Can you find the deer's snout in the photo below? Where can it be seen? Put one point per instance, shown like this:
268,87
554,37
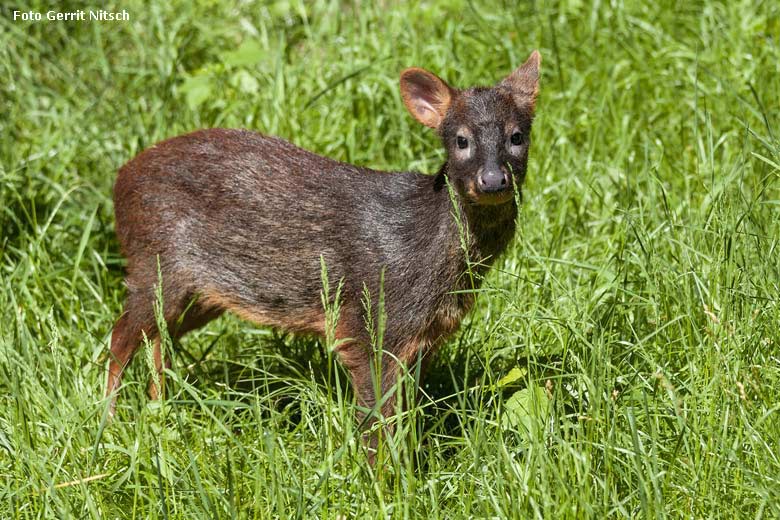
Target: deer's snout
493,180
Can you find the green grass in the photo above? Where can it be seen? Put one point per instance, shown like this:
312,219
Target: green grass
639,305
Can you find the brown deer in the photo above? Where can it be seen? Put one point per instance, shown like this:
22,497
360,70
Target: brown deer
240,221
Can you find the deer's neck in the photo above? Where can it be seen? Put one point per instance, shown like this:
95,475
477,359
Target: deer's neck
487,229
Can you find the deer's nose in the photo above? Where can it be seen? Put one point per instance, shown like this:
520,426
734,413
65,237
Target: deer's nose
493,180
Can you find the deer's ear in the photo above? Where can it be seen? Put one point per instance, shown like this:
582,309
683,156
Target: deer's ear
524,81
426,96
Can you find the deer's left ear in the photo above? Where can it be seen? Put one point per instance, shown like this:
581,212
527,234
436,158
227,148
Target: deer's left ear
524,81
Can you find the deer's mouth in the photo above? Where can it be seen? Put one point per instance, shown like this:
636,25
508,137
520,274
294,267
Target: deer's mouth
488,198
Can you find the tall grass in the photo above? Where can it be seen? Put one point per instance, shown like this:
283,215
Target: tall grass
622,359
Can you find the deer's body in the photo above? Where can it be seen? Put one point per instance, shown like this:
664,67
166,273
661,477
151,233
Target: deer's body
240,222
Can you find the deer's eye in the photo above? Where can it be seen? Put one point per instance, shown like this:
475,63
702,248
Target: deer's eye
516,138
462,142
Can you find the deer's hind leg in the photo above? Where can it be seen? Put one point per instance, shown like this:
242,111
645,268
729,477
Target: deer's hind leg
136,320
194,317
182,314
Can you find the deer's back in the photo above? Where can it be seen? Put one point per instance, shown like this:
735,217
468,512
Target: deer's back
252,215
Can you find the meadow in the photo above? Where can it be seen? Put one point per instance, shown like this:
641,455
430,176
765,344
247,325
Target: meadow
622,359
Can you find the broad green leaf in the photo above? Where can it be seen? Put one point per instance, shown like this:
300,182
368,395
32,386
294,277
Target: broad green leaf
526,410
197,89
244,82
513,375
248,53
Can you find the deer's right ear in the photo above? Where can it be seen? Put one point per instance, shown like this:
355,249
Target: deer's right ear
426,96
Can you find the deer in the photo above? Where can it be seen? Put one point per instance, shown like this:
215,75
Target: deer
237,221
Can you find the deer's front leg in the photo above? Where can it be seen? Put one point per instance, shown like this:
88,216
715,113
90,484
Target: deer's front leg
378,378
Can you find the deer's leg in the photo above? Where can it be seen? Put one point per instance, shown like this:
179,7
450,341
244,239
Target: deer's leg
181,316
137,319
375,382
153,390
193,318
